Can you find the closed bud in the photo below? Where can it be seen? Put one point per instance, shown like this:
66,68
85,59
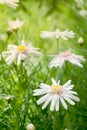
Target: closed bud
30,126
8,99
80,41
9,31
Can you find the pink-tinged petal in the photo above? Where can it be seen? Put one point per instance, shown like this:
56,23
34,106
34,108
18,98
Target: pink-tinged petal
57,62
75,62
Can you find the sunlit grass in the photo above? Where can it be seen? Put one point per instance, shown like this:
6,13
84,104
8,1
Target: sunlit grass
17,104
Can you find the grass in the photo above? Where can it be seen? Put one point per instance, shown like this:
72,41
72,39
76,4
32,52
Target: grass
18,82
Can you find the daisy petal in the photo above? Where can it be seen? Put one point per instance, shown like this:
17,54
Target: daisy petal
63,103
47,102
43,99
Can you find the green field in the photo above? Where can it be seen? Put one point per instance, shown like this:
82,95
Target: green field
18,105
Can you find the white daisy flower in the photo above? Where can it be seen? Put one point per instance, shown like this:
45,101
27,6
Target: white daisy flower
15,24
20,52
55,94
59,60
11,3
58,34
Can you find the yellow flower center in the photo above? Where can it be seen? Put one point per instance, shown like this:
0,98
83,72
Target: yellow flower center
21,48
56,89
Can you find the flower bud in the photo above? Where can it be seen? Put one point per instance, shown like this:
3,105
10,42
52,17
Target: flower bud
8,99
9,31
80,41
30,126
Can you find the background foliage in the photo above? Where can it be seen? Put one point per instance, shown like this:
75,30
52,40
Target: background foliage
19,81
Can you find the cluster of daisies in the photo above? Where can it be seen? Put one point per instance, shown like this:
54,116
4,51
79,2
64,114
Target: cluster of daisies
55,92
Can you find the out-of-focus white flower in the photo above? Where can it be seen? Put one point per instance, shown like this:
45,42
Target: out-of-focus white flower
80,41
11,3
15,24
83,12
30,126
56,93
79,3
59,60
20,52
65,129
58,34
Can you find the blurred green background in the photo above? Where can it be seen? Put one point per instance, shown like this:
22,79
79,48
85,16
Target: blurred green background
22,109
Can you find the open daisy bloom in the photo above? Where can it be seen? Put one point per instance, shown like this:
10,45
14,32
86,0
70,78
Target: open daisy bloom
58,34
11,3
55,94
20,52
60,59
14,25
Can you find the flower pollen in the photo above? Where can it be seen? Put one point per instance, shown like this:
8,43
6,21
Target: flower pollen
56,89
21,48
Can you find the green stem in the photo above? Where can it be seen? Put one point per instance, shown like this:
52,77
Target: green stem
58,120
65,71
17,35
5,44
57,46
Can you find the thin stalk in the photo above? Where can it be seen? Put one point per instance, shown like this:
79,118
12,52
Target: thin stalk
5,44
58,120
66,71
57,46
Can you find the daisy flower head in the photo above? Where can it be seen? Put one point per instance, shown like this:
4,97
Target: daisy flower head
19,52
14,25
60,59
55,94
11,3
58,34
